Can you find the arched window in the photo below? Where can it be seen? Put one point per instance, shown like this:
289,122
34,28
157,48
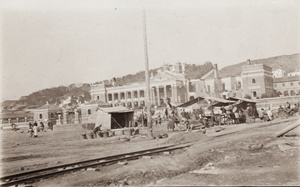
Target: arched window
253,81
254,94
98,97
89,111
208,89
41,116
292,92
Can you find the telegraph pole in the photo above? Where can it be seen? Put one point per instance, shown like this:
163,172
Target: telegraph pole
148,102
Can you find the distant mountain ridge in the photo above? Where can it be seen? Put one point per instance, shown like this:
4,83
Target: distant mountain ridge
288,63
79,93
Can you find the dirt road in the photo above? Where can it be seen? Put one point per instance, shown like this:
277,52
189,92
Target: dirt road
249,156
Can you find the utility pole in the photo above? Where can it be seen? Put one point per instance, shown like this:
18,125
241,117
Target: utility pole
148,102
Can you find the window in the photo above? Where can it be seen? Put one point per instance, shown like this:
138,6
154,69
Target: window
254,94
253,80
292,92
275,85
291,84
89,112
98,97
208,89
41,116
283,84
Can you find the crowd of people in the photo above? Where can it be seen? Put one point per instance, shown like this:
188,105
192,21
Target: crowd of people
211,116
34,128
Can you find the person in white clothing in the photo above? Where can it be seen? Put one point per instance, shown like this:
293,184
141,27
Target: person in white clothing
269,113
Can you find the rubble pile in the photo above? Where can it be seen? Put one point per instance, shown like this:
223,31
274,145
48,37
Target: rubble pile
184,137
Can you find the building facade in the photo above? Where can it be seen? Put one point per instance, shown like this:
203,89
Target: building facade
168,85
288,86
257,79
278,73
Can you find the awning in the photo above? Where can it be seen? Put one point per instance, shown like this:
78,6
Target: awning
241,99
117,109
191,102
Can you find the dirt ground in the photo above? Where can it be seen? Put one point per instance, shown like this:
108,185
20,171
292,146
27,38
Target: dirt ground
250,155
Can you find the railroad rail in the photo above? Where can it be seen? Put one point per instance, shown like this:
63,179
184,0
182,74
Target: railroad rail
35,175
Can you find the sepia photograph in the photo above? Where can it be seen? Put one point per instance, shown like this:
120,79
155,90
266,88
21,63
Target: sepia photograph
100,93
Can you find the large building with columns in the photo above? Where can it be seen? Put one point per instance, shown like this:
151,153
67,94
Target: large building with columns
168,85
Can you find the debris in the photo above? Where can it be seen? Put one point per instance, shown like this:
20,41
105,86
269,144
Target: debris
91,169
209,166
285,146
122,163
123,182
256,147
208,169
148,157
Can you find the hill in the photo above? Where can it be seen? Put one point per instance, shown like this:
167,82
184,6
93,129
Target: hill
79,93
286,62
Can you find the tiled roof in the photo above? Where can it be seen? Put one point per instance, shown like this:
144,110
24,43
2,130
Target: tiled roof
98,102
16,114
286,79
49,107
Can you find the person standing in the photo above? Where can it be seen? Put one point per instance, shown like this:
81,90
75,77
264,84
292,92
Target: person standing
30,130
42,126
170,125
35,129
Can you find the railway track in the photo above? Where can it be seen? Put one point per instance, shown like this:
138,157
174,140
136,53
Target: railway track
35,175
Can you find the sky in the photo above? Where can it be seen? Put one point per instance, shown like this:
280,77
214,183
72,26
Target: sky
50,43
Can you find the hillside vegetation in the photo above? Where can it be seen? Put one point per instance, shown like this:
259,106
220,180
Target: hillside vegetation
81,94
288,63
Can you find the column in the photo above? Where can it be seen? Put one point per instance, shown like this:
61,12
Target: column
174,93
158,97
187,90
58,120
1,121
17,120
9,120
25,119
165,93
138,96
76,116
153,95
119,96
65,113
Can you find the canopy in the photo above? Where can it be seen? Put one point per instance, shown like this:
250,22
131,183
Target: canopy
241,99
218,102
191,102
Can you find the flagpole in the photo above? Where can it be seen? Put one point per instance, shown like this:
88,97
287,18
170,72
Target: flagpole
148,102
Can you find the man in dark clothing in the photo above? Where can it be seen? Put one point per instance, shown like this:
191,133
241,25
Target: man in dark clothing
96,130
170,125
